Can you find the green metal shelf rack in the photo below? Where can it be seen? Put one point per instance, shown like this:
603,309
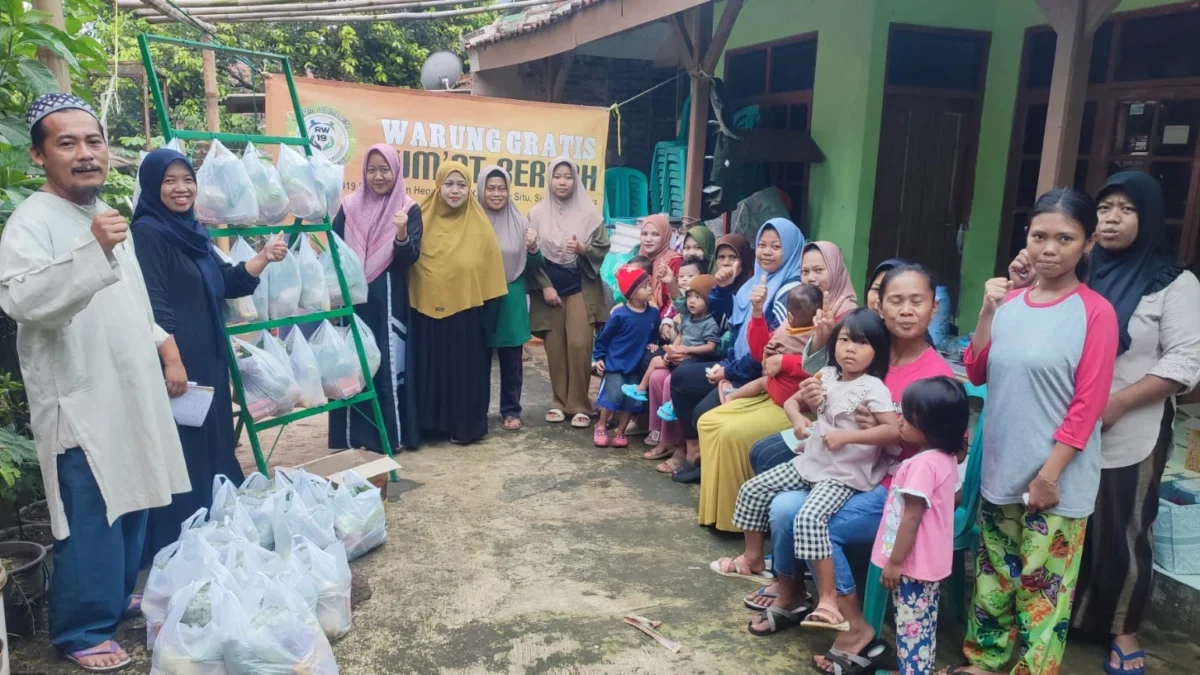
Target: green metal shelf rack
293,231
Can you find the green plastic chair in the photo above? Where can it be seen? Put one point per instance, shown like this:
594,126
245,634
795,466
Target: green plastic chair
966,534
626,195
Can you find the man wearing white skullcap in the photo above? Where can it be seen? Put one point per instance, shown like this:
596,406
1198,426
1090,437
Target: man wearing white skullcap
87,341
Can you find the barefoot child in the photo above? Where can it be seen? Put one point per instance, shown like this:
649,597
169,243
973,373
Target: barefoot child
914,545
802,303
618,353
838,460
698,335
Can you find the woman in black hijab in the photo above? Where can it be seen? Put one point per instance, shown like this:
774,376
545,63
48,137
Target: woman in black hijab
1158,315
186,283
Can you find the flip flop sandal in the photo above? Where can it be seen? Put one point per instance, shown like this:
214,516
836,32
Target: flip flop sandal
600,437
779,619
750,600
756,577
511,424
668,467
1124,658
652,438
823,618
134,609
581,421
653,456
555,416
106,648
845,663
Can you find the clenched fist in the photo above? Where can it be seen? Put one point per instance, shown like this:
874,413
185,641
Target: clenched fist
531,242
109,229
400,220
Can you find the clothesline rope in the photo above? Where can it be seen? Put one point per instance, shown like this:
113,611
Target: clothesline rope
616,107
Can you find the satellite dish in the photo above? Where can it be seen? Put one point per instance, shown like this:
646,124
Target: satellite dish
441,71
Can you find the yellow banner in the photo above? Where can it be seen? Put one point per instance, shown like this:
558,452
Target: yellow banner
429,128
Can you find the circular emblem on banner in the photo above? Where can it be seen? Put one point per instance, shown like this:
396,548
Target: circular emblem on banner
330,131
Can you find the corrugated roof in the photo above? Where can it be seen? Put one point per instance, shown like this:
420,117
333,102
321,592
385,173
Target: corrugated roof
526,21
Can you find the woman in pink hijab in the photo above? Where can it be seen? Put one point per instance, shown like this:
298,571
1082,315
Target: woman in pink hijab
382,224
822,266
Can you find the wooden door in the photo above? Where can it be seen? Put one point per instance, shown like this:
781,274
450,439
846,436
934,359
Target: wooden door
924,181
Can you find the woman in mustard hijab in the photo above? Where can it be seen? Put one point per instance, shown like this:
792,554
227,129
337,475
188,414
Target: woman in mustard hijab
453,289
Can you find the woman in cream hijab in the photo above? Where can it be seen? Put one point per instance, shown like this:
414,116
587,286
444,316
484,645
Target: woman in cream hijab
567,298
518,248
452,289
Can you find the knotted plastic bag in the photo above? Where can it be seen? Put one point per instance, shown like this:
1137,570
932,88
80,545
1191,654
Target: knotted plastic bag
251,496
276,634
341,376
224,194
292,515
267,383
175,566
352,268
192,639
314,292
268,186
237,310
305,370
329,178
306,200
358,515
330,574
282,279
370,346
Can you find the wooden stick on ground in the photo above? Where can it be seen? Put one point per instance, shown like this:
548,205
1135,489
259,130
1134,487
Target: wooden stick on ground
649,628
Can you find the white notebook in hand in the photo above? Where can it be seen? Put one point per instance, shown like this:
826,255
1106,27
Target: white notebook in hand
191,409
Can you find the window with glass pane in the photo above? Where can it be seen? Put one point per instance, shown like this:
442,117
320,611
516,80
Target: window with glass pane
1044,43
1135,125
1035,129
746,74
1178,124
1159,47
1176,180
935,60
793,66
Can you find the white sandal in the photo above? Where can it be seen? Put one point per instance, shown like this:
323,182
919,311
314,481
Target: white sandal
581,421
555,416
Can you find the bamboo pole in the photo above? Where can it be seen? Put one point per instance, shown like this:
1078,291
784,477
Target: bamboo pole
56,64
250,6
169,13
309,17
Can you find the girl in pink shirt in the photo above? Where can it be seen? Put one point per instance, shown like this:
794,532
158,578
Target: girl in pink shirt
914,544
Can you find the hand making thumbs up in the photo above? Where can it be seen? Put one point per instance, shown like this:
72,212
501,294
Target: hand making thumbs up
758,296
400,220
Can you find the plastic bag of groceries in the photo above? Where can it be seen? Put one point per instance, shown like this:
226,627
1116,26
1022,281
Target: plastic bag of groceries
330,574
237,310
227,498
223,191
274,346
305,370
292,515
306,200
341,376
276,634
192,639
314,292
283,287
241,252
175,566
329,177
358,515
268,384
268,186
175,145
370,346
352,268
244,559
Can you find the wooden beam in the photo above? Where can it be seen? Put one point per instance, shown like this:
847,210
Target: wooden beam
680,30
700,28
170,14
1074,21
212,109
56,64
721,36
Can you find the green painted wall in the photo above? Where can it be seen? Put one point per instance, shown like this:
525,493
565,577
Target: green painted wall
848,102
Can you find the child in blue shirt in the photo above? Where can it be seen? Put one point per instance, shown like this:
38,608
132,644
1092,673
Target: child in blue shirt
619,353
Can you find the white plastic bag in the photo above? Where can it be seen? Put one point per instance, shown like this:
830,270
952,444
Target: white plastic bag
241,252
268,186
274,346
283,287
352,268
291,516
237,310
314,292
175,566
276,634
341,376
306,201
305,370
329,178
268,383
226,497
223,191
330,574
175,145
370,346
359,519
192,639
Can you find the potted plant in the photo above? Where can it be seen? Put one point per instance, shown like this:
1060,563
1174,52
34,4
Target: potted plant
26,585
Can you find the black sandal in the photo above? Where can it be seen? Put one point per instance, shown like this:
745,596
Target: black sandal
845,663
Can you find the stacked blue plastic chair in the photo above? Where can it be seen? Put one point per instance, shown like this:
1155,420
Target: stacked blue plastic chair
626,198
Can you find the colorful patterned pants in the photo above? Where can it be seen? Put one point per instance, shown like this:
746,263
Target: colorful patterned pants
1025,577
916,624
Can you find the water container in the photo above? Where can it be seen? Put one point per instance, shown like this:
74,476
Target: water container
939,327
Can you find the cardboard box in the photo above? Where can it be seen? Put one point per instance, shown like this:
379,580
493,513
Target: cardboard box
370,465
1191,461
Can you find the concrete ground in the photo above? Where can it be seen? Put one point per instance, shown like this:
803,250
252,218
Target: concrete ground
522,553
